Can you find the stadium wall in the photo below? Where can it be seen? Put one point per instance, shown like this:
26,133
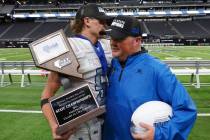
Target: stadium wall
168,42
188,42
14,44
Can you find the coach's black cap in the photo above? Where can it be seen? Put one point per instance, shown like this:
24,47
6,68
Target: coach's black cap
92,11
124,26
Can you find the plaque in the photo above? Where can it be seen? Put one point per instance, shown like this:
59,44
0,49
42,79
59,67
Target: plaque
75,107
53,52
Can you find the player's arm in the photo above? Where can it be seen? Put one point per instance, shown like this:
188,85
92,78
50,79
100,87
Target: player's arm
171,91
52,85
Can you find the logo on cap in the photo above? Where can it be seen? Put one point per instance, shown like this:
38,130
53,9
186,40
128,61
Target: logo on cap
135,30
118,23
101,10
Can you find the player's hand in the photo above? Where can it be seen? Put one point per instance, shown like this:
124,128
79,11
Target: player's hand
64,136
148,135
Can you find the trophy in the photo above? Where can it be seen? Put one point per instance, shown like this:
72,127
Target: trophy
53,52
77,104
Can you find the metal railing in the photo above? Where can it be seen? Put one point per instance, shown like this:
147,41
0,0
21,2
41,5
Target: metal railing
171,63
195,68
188,63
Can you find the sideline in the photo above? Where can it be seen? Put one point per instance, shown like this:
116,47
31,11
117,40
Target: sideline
20,111
39,112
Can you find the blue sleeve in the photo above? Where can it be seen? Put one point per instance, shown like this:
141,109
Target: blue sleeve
171,91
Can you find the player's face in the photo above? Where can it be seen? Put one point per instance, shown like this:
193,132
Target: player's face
96,26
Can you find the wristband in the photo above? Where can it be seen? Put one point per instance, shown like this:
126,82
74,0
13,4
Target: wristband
44,101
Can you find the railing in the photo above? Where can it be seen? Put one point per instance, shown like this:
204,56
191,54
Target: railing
171,63
18,68
188,63
194,68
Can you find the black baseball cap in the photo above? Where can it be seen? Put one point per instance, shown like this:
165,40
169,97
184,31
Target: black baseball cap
124,26
93,11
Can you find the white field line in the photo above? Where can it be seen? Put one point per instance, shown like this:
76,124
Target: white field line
11,53
39,112
167,54
198,52
204,114
17,55
19,111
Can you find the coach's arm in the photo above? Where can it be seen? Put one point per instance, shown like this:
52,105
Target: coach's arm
171,91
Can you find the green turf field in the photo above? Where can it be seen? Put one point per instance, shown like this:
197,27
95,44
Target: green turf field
164,53
15,54
181,52
26,126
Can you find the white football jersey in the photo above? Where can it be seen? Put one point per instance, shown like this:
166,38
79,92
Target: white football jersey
90,65
91,69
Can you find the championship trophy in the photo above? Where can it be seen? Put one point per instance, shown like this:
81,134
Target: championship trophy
53,52
77,104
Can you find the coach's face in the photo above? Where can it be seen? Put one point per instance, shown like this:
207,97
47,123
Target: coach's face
116,51
123,48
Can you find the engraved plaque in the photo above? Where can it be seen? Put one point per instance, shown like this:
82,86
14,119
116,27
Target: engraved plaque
75,107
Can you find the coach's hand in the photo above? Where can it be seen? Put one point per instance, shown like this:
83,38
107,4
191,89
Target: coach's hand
64,136
148,135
